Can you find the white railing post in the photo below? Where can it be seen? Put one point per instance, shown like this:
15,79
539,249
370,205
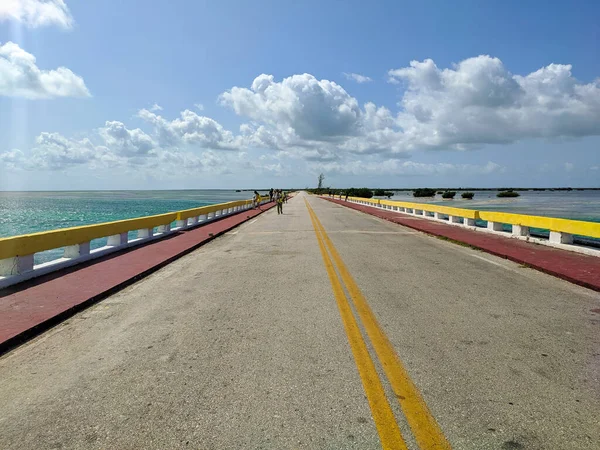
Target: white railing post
77,250
494,226
164,228
453,219
145,233
181,223
117,240
558,237
520,230
437,216
16,265
192,221
210,216
469,222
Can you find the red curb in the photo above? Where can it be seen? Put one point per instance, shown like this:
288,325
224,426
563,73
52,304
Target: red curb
34,306
577,268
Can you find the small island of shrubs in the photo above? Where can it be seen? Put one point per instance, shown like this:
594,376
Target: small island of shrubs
449,194
508,193
425,192
383,193
468,195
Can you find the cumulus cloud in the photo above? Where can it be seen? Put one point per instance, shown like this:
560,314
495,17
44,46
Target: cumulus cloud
191,129
357,77
313,109
199,106
20,77
480,102
37,13
126,142
475,103
156,107
318,123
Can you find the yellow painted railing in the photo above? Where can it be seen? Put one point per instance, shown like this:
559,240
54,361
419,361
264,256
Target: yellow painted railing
554,225
188,213
448,210
579,227
28,244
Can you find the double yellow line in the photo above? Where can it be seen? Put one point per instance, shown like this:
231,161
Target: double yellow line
425,429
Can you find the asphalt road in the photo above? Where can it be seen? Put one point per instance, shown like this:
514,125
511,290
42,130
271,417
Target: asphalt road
241,344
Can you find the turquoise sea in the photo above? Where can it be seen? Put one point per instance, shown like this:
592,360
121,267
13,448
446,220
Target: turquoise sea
29,212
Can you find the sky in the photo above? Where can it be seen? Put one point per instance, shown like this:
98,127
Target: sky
192,94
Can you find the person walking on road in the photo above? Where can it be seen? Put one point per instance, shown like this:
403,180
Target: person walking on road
257,200
279,195
271,195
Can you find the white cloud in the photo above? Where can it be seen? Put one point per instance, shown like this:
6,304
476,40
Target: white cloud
191,129
313,109
156,107
199,106
475,103
20,77
357,77
480,102
37,13
125,142
595,168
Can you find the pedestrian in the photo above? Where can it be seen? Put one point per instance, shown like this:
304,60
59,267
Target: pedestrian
257,200
285,196
346,196
280,202
271,195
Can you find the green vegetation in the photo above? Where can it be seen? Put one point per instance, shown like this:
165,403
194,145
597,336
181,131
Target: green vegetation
360,192
508,193
383,193
449,194
424,192
468,195
440,192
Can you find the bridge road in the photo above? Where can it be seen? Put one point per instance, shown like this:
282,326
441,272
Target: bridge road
241,344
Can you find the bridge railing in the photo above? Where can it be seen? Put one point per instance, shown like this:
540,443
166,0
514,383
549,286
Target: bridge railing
561,232
17,253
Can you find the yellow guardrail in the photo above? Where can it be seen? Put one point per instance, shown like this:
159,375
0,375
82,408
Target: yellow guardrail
579,227
187,213
569,226
29,244
449,210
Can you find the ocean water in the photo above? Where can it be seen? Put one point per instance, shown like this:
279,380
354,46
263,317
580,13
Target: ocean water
30,212
578,205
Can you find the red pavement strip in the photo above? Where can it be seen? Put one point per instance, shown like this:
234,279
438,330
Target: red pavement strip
34,306
577,268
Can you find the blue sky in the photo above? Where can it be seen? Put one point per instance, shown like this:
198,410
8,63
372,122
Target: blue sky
194,94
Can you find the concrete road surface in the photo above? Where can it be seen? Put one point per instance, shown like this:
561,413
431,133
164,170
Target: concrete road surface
256,340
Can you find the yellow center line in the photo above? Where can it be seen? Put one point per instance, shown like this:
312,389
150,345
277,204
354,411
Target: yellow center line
387,427
426,430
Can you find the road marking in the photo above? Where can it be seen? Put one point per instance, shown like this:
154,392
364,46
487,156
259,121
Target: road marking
492,262
426,430
387,427
252,221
